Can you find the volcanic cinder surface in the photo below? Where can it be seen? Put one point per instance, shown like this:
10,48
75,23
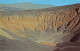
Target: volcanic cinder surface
50,29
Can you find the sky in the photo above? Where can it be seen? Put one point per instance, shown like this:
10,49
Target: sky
51,2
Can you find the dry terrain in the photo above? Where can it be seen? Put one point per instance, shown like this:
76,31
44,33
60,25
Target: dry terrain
48,28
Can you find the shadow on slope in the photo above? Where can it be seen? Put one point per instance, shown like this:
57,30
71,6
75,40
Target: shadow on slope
21,44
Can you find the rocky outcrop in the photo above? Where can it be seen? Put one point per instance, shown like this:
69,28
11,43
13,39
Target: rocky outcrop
68,46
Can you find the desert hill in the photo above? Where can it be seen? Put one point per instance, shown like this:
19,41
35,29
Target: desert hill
50,18
51,25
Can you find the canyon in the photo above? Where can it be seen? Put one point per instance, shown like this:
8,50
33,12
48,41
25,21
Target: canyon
48,26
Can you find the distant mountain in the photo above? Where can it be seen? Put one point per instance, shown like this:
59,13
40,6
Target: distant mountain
23,6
